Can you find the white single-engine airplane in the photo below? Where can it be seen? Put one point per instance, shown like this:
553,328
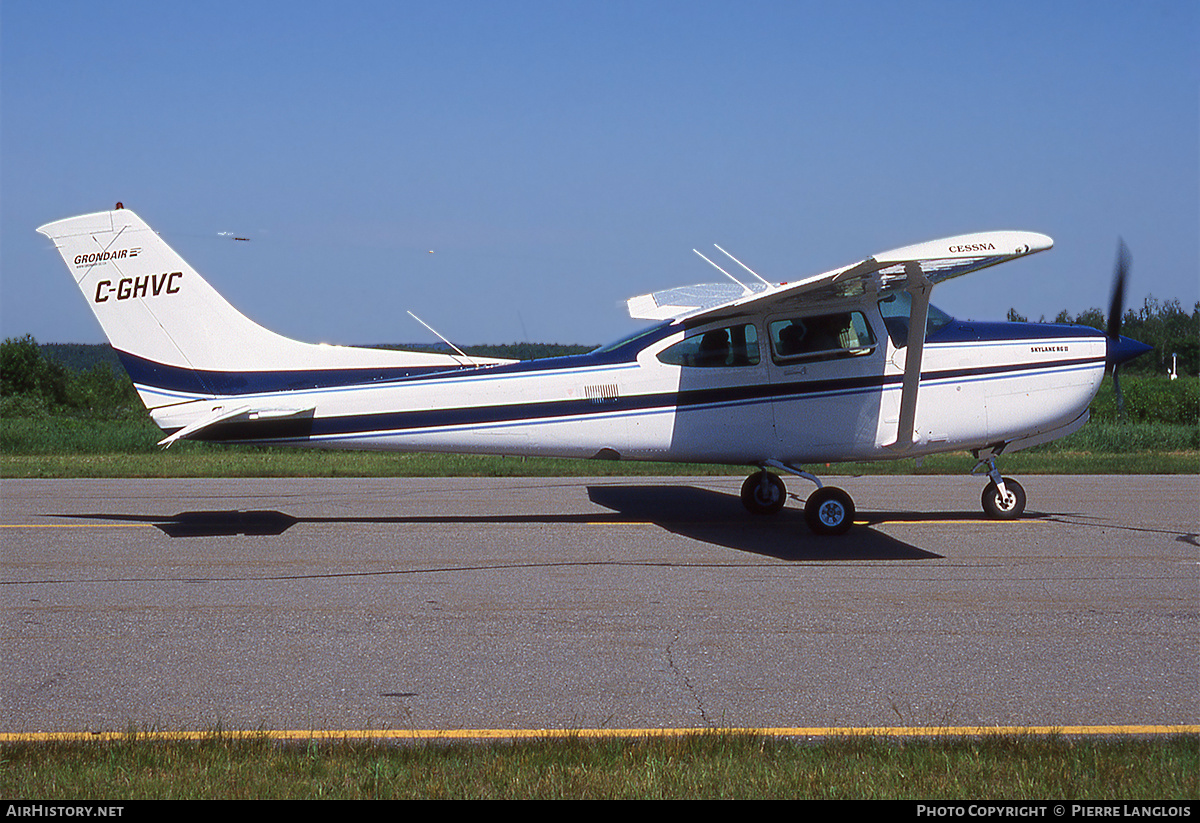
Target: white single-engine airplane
853,364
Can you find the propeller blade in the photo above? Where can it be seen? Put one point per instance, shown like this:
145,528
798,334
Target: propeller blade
1116,375
1116,307
1121,348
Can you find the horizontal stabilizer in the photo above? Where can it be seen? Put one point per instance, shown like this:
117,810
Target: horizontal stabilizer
222,414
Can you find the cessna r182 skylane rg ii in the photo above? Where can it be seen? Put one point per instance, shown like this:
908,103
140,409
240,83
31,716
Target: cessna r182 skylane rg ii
853,364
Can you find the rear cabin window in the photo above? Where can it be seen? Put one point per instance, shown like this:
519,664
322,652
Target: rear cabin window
716,348
821,337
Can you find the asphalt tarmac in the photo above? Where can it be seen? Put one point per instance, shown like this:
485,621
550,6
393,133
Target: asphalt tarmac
567,603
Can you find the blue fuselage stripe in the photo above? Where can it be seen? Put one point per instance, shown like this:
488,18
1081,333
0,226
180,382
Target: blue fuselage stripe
175,379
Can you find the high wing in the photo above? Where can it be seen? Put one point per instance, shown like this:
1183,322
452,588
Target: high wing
915,269
930,263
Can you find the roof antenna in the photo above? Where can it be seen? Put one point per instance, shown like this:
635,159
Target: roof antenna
743,265
444,340
745,289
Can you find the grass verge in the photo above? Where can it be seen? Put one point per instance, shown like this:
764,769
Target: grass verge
717,765
267,463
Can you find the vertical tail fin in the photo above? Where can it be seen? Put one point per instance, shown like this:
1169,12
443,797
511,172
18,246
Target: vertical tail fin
180,340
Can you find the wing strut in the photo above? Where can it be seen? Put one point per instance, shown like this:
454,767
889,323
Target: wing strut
919,287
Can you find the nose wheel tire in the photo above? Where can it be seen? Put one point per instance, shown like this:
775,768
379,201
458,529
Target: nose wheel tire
1010,506
764,493
829,510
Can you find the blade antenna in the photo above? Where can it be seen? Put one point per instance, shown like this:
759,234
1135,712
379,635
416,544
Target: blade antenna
743,265
745,288
443,339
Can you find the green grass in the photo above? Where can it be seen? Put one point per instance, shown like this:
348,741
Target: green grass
718,765
371,464
62,434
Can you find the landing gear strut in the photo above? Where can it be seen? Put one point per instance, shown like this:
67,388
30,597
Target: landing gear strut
1003,498
828,510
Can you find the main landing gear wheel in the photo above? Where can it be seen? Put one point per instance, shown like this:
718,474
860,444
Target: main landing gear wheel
1004,507
829,510
763,493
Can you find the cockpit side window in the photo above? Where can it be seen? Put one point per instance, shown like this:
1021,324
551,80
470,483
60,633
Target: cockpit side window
821,337
727,347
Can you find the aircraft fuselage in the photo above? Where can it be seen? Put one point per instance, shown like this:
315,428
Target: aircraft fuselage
660,397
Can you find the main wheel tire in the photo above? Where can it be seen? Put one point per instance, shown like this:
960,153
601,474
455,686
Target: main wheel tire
1009,507
829,510
764,498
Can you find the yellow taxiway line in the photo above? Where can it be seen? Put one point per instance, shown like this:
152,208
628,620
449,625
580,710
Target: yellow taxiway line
584,734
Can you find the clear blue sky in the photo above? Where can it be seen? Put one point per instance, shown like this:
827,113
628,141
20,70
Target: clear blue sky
558,157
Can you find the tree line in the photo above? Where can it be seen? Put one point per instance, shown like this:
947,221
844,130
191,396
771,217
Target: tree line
1174,334
33,384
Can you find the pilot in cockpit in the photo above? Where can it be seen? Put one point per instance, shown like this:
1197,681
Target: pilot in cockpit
714,348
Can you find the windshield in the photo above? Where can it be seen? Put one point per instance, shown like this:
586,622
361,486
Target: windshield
630,338
895,309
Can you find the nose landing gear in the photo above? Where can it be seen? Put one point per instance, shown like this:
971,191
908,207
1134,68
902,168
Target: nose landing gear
1003,498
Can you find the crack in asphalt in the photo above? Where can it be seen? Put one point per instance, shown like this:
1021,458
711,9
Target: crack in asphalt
688,686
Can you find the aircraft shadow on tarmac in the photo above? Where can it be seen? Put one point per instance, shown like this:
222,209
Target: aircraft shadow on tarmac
698,514
720,519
